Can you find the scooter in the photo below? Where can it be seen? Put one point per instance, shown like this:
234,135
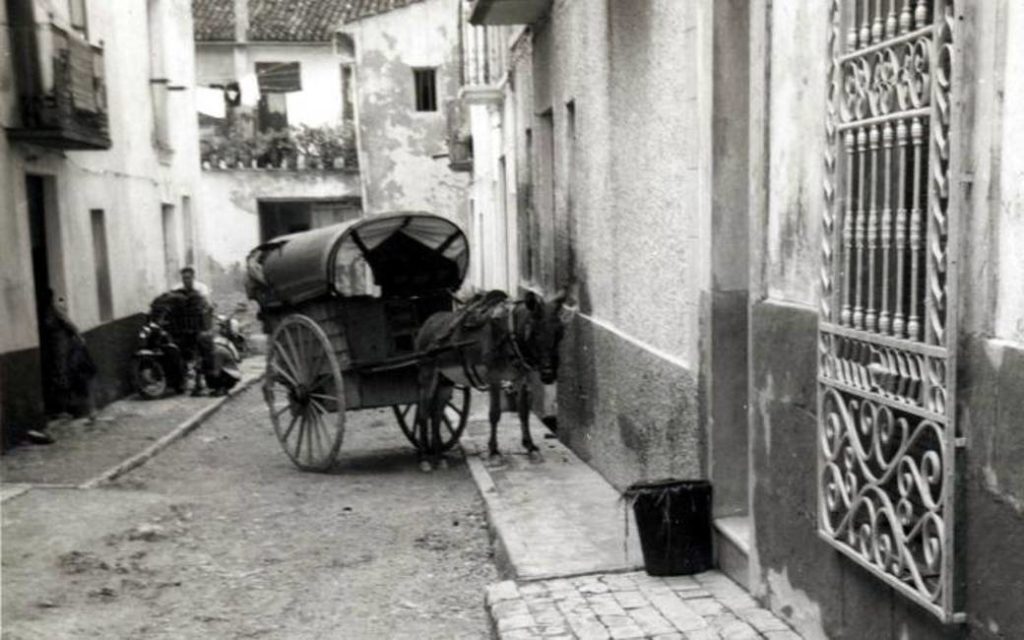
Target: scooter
226,348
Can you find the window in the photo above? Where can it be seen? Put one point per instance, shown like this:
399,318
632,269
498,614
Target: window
546,190
78,18
276,80
279,77
347,90
568,271
101,258
887,435
158,74
172,252
425,81
187,229
273,112
526,247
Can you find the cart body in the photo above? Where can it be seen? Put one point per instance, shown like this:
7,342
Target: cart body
343,305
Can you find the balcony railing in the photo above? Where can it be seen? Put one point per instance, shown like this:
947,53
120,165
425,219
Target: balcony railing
61,89
484,55
460,139
237,145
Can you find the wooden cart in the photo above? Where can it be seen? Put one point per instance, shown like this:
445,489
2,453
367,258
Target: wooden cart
342,306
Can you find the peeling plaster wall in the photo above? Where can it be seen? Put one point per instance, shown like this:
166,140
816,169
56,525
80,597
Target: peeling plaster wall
622,215
129,182
403,153
820,592
229,220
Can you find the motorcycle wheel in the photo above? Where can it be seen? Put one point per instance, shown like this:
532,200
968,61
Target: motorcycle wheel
149,377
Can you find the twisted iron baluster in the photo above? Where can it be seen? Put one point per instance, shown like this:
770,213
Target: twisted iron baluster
884,319
917,140
870,312
860,229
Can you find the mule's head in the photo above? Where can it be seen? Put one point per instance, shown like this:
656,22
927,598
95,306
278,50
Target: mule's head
544,329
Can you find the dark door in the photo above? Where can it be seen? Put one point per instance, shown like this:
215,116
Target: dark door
35,191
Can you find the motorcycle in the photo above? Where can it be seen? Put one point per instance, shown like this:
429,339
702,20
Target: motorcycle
157,363
175,346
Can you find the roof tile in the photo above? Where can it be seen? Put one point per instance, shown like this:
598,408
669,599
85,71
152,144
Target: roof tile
285,20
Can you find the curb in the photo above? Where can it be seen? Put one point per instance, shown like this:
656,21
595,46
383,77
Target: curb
492,505
179,432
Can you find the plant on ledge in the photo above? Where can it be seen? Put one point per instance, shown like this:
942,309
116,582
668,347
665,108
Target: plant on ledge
238,145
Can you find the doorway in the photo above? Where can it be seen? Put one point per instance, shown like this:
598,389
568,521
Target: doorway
39,196
282,217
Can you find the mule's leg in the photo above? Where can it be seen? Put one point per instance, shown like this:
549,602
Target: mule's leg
424,410
495,416
524,417
442,395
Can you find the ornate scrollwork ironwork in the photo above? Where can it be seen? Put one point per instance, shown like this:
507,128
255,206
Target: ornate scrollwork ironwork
886,423
883,488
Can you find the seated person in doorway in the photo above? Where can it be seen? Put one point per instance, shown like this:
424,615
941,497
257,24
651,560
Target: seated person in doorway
68,367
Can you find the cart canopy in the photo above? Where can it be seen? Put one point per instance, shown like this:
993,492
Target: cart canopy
408,253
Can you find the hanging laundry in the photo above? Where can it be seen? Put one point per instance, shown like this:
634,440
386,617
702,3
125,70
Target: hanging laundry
210,101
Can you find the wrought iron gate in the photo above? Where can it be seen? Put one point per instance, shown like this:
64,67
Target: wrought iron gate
887,435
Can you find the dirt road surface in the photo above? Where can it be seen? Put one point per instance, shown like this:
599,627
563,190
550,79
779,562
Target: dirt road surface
221,537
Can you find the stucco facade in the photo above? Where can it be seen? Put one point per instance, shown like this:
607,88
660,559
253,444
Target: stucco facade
145,184
827,595
608,149
403,153
669,159
230,218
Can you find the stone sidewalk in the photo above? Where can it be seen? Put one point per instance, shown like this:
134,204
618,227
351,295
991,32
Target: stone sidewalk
127,432
617,606
570,548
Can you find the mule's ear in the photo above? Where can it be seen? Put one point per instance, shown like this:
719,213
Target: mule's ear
533,301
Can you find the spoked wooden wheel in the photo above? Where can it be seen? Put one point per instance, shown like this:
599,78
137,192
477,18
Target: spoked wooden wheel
453,422
303,388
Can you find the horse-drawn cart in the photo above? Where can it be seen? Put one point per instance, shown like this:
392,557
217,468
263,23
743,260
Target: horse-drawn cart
342,305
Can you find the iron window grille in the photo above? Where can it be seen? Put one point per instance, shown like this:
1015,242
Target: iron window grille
888,441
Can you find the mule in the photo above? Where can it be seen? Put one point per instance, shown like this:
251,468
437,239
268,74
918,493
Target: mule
496,342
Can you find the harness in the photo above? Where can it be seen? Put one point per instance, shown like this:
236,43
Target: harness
472,372
514,339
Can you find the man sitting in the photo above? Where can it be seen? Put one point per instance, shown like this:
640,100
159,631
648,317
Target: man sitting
198,311
189,284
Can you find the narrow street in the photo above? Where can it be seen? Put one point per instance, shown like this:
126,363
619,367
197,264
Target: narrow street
220,536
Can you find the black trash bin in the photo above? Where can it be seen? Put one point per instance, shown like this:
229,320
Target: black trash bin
673,518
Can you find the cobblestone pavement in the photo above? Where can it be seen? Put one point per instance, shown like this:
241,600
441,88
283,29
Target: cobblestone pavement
708,606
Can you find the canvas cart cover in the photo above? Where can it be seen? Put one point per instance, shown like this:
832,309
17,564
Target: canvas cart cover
408,253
